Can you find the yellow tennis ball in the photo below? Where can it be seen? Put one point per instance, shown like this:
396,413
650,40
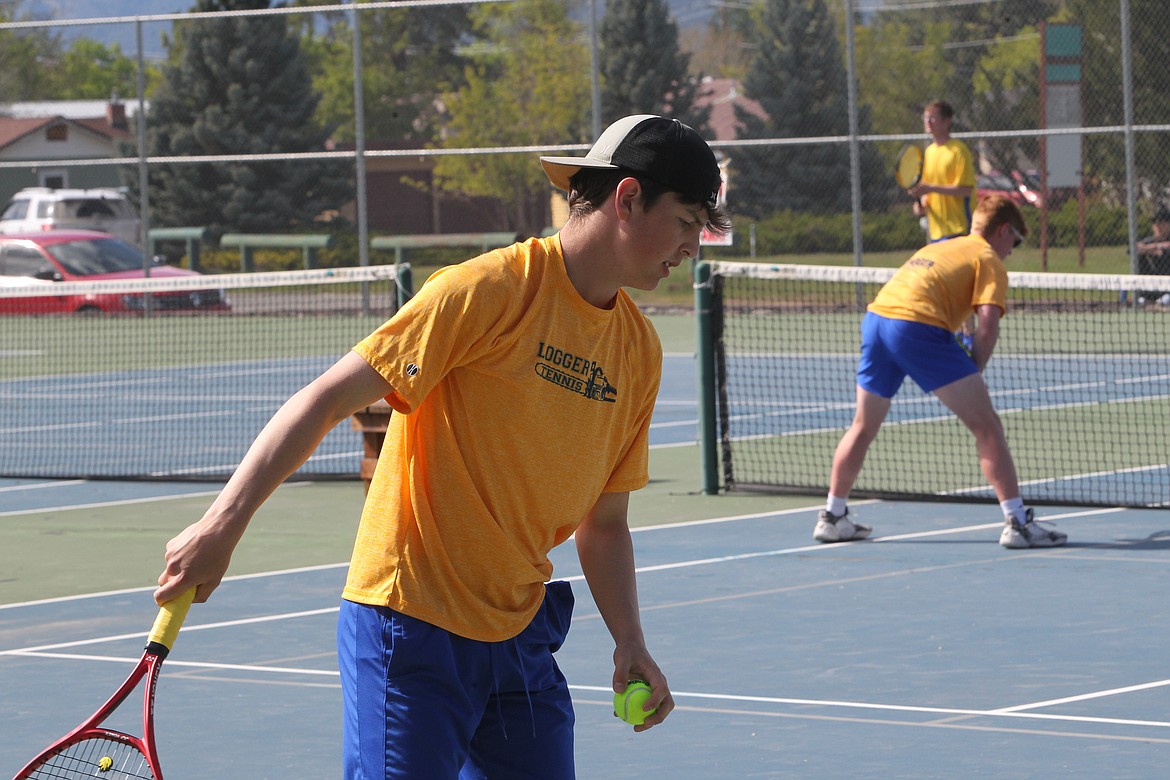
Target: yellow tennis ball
627,705
106,763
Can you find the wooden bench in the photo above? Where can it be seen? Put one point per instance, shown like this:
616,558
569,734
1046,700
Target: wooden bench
371,422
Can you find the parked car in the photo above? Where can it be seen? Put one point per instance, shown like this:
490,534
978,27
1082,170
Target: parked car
39,208
996,183
43,259
1028,182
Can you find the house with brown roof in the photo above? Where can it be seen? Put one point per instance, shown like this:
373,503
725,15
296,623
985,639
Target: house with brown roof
719,98
41,138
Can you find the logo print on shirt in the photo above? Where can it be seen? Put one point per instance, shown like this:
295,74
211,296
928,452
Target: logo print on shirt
412,369
574,373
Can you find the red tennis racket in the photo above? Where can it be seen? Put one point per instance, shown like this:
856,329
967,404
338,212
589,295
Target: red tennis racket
93,751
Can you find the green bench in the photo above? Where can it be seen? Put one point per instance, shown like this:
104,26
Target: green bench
400,245
308,243
193,237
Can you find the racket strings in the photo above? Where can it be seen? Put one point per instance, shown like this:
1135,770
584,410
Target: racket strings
98,757
909,167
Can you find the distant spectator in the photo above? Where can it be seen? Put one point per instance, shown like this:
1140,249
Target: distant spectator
1153,254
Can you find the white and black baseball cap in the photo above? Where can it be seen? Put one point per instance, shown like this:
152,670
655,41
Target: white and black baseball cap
663,150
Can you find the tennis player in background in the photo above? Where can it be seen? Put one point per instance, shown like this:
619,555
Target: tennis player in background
944,194
908,331
523,383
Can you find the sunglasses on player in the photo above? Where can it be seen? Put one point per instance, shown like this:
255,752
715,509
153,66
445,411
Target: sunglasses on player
1019,236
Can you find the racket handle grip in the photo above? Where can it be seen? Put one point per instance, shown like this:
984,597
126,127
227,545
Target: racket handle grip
170,620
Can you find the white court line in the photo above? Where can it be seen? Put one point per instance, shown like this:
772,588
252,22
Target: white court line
1018,712
151,588
118,502
1009,712
190,664
639,570
639,529
316,457
839,545
43,485
1064,478
1085,696
901,707
100,504
186,630
1025,711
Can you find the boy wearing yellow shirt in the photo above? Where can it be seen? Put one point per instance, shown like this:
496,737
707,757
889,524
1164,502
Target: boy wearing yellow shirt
908,331
523,382
944,195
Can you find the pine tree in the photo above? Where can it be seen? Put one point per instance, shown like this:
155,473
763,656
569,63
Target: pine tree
798,76
238,85
643,69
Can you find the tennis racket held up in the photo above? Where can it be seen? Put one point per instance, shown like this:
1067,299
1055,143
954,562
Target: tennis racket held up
908,168
90,750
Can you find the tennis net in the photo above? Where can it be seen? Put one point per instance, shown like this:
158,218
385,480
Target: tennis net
1080,377
172,378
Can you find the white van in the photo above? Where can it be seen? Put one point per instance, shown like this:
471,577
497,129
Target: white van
39,208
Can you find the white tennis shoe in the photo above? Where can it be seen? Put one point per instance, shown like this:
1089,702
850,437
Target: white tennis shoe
839,528
1030,534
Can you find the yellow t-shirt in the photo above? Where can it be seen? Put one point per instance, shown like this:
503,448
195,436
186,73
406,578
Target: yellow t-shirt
943,283
949,164
520,404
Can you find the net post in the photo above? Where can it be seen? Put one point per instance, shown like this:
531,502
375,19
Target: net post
405,283
705,345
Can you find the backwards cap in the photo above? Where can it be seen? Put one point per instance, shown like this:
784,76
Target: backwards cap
663,150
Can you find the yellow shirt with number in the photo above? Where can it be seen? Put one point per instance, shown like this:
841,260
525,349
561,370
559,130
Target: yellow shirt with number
942,283
948,164
516,404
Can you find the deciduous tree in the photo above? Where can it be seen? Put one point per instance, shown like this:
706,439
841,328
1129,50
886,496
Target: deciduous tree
528,88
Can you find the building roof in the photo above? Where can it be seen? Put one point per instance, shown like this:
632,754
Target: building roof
12,130
24,121
720,97
69,109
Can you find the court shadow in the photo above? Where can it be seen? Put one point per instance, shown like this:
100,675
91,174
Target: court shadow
1157,541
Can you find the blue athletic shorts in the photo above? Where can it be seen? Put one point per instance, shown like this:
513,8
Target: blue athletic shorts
891,350
425,704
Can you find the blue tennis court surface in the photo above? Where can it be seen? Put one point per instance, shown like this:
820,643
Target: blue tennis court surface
928,651
198,421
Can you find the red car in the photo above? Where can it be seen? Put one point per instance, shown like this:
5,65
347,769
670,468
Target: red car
996,183
1028,183
47,258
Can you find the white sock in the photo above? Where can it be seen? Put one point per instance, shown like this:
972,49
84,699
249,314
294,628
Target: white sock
836,506
1015,508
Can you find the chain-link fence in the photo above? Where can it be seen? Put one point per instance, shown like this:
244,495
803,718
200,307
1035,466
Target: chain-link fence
426,117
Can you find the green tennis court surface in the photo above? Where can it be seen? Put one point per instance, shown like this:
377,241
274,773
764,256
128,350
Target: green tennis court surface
1079,376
